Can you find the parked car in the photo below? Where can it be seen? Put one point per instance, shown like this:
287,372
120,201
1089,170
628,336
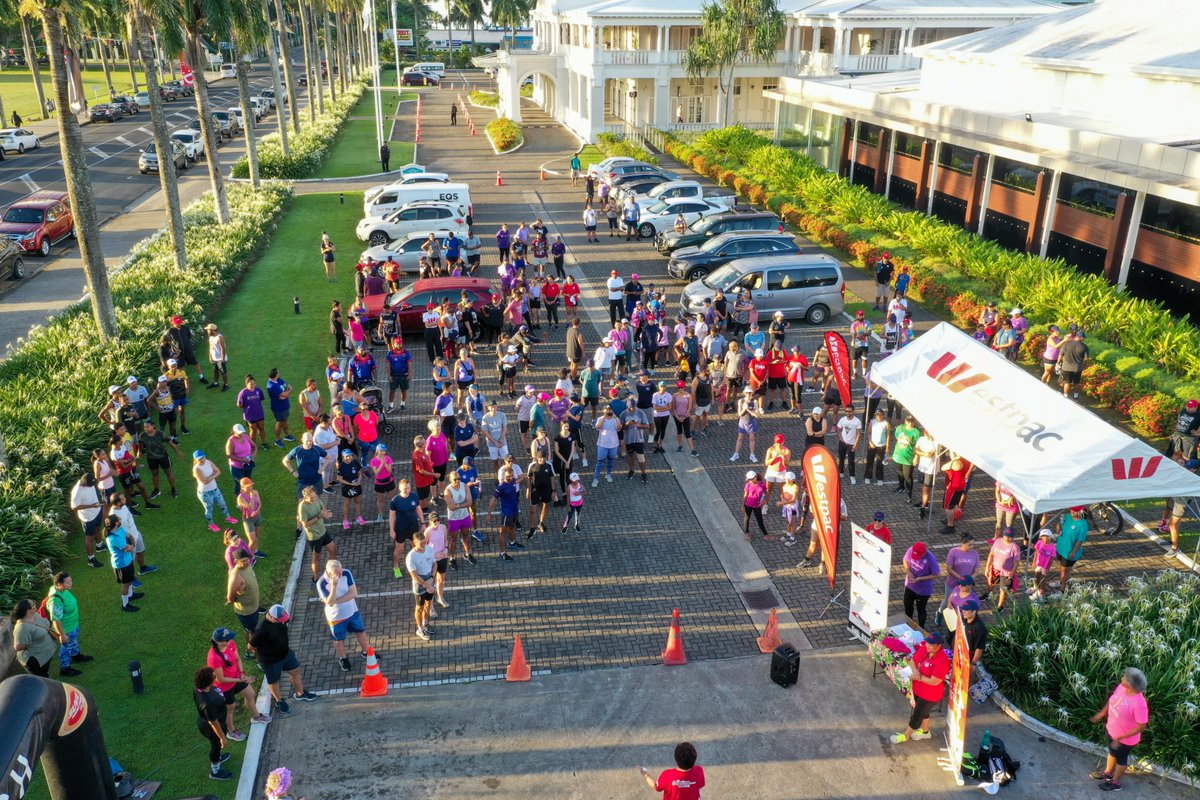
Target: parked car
410,301
716,224
406,251
19,139
181,88
419,79
423,215
228,71
13,58
689,190
105,111
635,168
693,263
639,186
38,220
379,201
167,93
659,216
12,259
261,106
422,177
194,125
231,124
192,141
127,104
808,287
237,112
148,160
270,95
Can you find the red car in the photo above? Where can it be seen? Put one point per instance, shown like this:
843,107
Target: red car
410,301
38,220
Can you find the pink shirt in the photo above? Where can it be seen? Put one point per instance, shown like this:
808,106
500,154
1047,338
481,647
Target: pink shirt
241,446
436,448
382,467
1126,710
436,536
1044,554
756,492
367,424
231,671
1005,556
356,331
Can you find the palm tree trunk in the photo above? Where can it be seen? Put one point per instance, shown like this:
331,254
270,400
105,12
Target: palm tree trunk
129,45
471,24
305,33
167,178
340,53
243,83
273,57
79,185
285,49
329,62
196,55
34,69
314,40
107,71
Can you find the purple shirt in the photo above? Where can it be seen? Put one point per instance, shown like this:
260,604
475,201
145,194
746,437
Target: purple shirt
503,239
964,563
558,408
920,567
557,249
251,402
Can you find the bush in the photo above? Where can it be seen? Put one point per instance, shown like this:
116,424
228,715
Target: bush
504,133
485,99
613,146
307,149
54,381
1154,414
1060,661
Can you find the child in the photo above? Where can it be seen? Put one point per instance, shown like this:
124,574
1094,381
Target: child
350,479
789,502
1043,558
575,493
249,503
435,534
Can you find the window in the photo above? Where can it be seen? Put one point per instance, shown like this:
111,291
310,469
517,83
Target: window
908,145
770,84
412,246
691,208
959,159
821,276
733,249
868,134
433,213
781,279
752,281
408,214
1014,174
385,199
1088,195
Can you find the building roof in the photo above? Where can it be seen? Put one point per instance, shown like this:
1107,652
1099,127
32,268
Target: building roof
921,9
1146,36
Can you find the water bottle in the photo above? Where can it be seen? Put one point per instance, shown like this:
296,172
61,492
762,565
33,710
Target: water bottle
986,745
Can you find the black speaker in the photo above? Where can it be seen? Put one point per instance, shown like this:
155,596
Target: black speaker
785,665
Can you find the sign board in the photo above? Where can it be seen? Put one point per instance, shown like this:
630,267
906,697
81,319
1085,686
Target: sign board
411,169
226,45
956,705
870,583
404,37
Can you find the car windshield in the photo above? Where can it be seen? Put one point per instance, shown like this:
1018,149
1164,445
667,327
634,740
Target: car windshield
723,278
702,224
658,208
181,137
221,115
143,94
397,297
31,216
149,148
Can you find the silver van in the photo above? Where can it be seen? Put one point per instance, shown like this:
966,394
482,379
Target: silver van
808,287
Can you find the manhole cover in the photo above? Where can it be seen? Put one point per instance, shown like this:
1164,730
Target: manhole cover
760,599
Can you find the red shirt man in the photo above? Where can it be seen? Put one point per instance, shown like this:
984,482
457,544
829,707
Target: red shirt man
423,474
797,363
682,782
757,371
777,363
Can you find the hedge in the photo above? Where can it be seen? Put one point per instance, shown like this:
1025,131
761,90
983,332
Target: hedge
954,272
485,99
306,149
55,380
612,146
504,133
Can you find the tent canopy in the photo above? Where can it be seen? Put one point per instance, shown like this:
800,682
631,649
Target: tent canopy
1049,451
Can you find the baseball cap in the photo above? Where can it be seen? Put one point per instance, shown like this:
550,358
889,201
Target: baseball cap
1192,463
861,313
1193,404
1007,533
114,389
779,438
935,638
246,483
967,580
879,515
614,272
239,429
223,635
543,396
162,378
176,320
172,362
970,605
758,353
818,410
574,476
131,379
1045,532
679,384
1077,509
750,475
634,276
918,549
381,446
279,612
197,454
529,387
337,376
559,393
789,476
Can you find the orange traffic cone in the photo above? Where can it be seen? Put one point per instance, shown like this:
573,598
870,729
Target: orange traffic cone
418,138
770,638
499,180
518,670
472,130
543,171
674,656
374,684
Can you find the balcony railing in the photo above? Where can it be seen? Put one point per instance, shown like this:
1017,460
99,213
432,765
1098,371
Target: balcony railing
877,63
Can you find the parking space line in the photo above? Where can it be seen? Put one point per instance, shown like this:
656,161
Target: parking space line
98,152
29,182
124,141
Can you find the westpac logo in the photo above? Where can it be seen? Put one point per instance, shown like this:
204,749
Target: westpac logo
955,378
1135,469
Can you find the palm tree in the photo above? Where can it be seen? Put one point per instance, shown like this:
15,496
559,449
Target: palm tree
144,17
471,12
129,46
248,30
79,185
285,48
321,12
273,56
201,18
510,14
306,43
314,41
31,59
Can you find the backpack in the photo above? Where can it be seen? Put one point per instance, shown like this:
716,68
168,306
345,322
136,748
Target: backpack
997,761
44,607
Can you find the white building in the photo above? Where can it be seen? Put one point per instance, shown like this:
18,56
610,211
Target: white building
607,65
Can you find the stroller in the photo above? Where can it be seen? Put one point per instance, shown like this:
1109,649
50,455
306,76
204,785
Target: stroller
374,396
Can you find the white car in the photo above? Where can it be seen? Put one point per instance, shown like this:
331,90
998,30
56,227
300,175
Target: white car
269,96
192,141
659,217
423,216
407,251
142,99
405,180
261,106
19,139
237,112
603,167
228,71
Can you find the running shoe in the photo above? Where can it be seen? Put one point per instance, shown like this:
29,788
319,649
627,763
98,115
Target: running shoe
305,696
345,662
236,736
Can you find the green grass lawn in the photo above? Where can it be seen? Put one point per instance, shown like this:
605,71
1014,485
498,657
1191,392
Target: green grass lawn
184,599
589,155
355,153
17,89
365,107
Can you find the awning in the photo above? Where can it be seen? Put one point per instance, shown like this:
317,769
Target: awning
1050,451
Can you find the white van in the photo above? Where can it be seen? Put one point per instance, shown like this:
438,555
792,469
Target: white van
432,67
381,200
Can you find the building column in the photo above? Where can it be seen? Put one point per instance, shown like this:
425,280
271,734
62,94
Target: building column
987,192
837,42
882,161
891,163
816,40
844,150
595,100
1051,209
971,219
1041,195
933,176
922,195
853,153
808,134
1118,236
1135,225
662,104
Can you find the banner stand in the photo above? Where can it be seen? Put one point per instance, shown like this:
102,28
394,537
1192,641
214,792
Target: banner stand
946,762
833,601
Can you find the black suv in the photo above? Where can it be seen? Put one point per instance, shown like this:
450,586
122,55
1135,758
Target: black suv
693,263
714,225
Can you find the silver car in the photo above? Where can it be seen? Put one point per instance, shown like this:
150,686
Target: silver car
808,287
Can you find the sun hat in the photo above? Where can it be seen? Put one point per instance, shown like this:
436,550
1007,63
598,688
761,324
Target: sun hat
789,476
574,476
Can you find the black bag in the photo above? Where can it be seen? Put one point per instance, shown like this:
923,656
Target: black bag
997,754
785,665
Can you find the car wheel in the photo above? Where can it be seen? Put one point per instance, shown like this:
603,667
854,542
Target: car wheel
44,247
18,270
697,274
21,147
645,231
817,315
377,238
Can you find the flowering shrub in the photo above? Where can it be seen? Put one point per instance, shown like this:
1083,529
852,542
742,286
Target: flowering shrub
485,99
1060,661
504,133
1154,413
966,308
307,149
728,177
757,195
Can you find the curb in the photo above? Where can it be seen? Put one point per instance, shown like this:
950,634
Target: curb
1153,536
1054,734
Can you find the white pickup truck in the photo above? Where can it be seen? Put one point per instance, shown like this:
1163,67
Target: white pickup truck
687,190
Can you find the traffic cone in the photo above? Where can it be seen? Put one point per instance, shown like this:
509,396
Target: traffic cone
770,638
418,138
518,669
499,180
674,656
472,130
374,684
543,171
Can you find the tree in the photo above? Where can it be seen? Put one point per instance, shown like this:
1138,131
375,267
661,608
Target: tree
285,47
510,14
306,42
75,169
273,55
145,16
201,19
733,31
249,29
472,13
34,69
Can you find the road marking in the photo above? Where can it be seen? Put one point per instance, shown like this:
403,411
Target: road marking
181,114
146,131
124,141
461,587
98,152
537,673
29,182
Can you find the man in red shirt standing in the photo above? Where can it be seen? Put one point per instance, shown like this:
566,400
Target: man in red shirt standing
684,782
930,666
756,373
777,369
423,475
551,293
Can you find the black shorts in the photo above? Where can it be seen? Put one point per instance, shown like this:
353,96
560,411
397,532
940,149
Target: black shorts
423,492
387,486
398,382
320,544
124,574
922,708
591,401
351,491
635,447
1067,562
440,470
231,694
423,598
523,425
130,479
537,495
1120,752
1070,377
442,564
777,383
165,417
158,463
861,352
273,670
535,302
927,478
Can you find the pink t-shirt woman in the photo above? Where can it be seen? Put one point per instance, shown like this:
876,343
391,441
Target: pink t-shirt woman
437,449
755,493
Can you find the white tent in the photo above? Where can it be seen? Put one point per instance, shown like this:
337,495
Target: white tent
1051,452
